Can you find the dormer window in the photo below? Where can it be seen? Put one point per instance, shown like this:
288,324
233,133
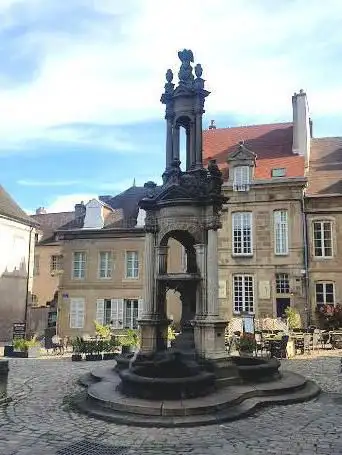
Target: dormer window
278,172
241,178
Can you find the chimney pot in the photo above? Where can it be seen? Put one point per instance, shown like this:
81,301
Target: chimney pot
40,211
212,125
80,210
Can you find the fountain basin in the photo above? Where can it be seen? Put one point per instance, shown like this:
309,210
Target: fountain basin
255,369
135,383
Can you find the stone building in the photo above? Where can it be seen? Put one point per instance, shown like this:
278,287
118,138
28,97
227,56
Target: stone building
279,243
323,217
48,257
17,234
103,274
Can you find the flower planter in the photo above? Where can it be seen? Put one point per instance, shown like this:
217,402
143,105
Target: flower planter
76,358
20,354
93,357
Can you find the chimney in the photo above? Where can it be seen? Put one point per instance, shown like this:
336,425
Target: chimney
301,125
212,125
80,210
41,211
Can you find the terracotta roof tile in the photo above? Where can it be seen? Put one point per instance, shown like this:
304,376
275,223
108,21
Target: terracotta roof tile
325,167
272,143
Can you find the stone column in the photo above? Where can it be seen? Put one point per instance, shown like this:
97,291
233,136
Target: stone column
198,150
161,262
175,145
168,142
192,144
149,274
201,255
212,273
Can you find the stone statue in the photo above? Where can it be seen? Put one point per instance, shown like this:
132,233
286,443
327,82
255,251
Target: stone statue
185,73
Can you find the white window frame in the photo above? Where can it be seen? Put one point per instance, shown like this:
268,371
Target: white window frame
134,275
56,262
239,219
324,284
281,171
105,269
241,178
77,312
82,265
132,312
281,232
282,283
322,239
243,306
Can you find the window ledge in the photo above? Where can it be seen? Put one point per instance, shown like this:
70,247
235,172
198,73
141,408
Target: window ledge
242,255
131,279
322,258
281,254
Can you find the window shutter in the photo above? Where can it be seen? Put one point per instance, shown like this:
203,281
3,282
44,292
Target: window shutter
117,313
77,313
121,311
100,311
140,308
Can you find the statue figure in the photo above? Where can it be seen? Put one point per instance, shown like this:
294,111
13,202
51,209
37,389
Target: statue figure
215,177
185,73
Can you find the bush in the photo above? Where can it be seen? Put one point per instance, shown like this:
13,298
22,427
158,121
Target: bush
329,316
246,343
293,318
131,338
23,345
103,331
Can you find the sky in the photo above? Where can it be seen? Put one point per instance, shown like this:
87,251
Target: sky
80,83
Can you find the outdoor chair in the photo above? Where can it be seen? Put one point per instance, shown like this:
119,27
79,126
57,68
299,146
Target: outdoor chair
307,342
317,341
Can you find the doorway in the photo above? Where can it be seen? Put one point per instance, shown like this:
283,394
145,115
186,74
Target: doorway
282,303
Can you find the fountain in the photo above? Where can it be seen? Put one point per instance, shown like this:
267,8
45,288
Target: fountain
194,382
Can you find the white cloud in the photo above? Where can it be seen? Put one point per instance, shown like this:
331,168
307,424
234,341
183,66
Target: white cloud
250,52
67,202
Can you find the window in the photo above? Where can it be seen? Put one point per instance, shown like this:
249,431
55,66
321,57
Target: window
132,264
56,262
325,293
278,172
52,319
281,232
241,178
242,233
36,265
34,300
282,283
243,293
322,233
119,313
105,264
78,270
76,313
131,314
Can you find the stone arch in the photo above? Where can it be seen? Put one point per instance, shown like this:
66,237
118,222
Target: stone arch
187,240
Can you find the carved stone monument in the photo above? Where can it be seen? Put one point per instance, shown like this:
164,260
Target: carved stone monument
187,208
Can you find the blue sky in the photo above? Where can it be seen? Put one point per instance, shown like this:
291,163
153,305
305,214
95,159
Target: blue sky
80,83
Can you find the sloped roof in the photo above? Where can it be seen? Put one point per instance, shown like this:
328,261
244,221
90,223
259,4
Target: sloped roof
325,167
10,209
50,222
272,143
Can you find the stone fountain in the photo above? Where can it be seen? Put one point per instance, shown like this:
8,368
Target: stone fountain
194,382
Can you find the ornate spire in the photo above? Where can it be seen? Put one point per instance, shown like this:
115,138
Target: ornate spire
185,72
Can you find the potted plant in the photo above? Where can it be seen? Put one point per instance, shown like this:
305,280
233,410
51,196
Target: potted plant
293,318
77,348
103,331
109,348
130,341
246,344
171,335
19,348
33,347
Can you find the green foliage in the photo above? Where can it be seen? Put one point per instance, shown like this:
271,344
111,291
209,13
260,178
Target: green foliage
246,343
93,346
131,338
170,333
23,345
77,345
293,318
329,316
103,331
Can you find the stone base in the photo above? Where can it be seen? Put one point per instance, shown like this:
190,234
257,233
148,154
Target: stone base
210,338
153,334
103,400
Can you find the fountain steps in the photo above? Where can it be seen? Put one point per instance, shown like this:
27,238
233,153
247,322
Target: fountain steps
230,403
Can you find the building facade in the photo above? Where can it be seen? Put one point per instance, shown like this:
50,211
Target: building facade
17,241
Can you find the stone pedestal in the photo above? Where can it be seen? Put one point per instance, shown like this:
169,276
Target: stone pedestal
153,335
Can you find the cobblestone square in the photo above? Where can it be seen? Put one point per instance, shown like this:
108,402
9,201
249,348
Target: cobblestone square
39,420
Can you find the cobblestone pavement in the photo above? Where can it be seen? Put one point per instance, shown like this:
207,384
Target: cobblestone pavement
39,421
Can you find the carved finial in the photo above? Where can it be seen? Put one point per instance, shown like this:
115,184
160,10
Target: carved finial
198,70
169,75
185,73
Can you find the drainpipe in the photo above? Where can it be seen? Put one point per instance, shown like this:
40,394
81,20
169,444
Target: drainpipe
306,262
28,279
